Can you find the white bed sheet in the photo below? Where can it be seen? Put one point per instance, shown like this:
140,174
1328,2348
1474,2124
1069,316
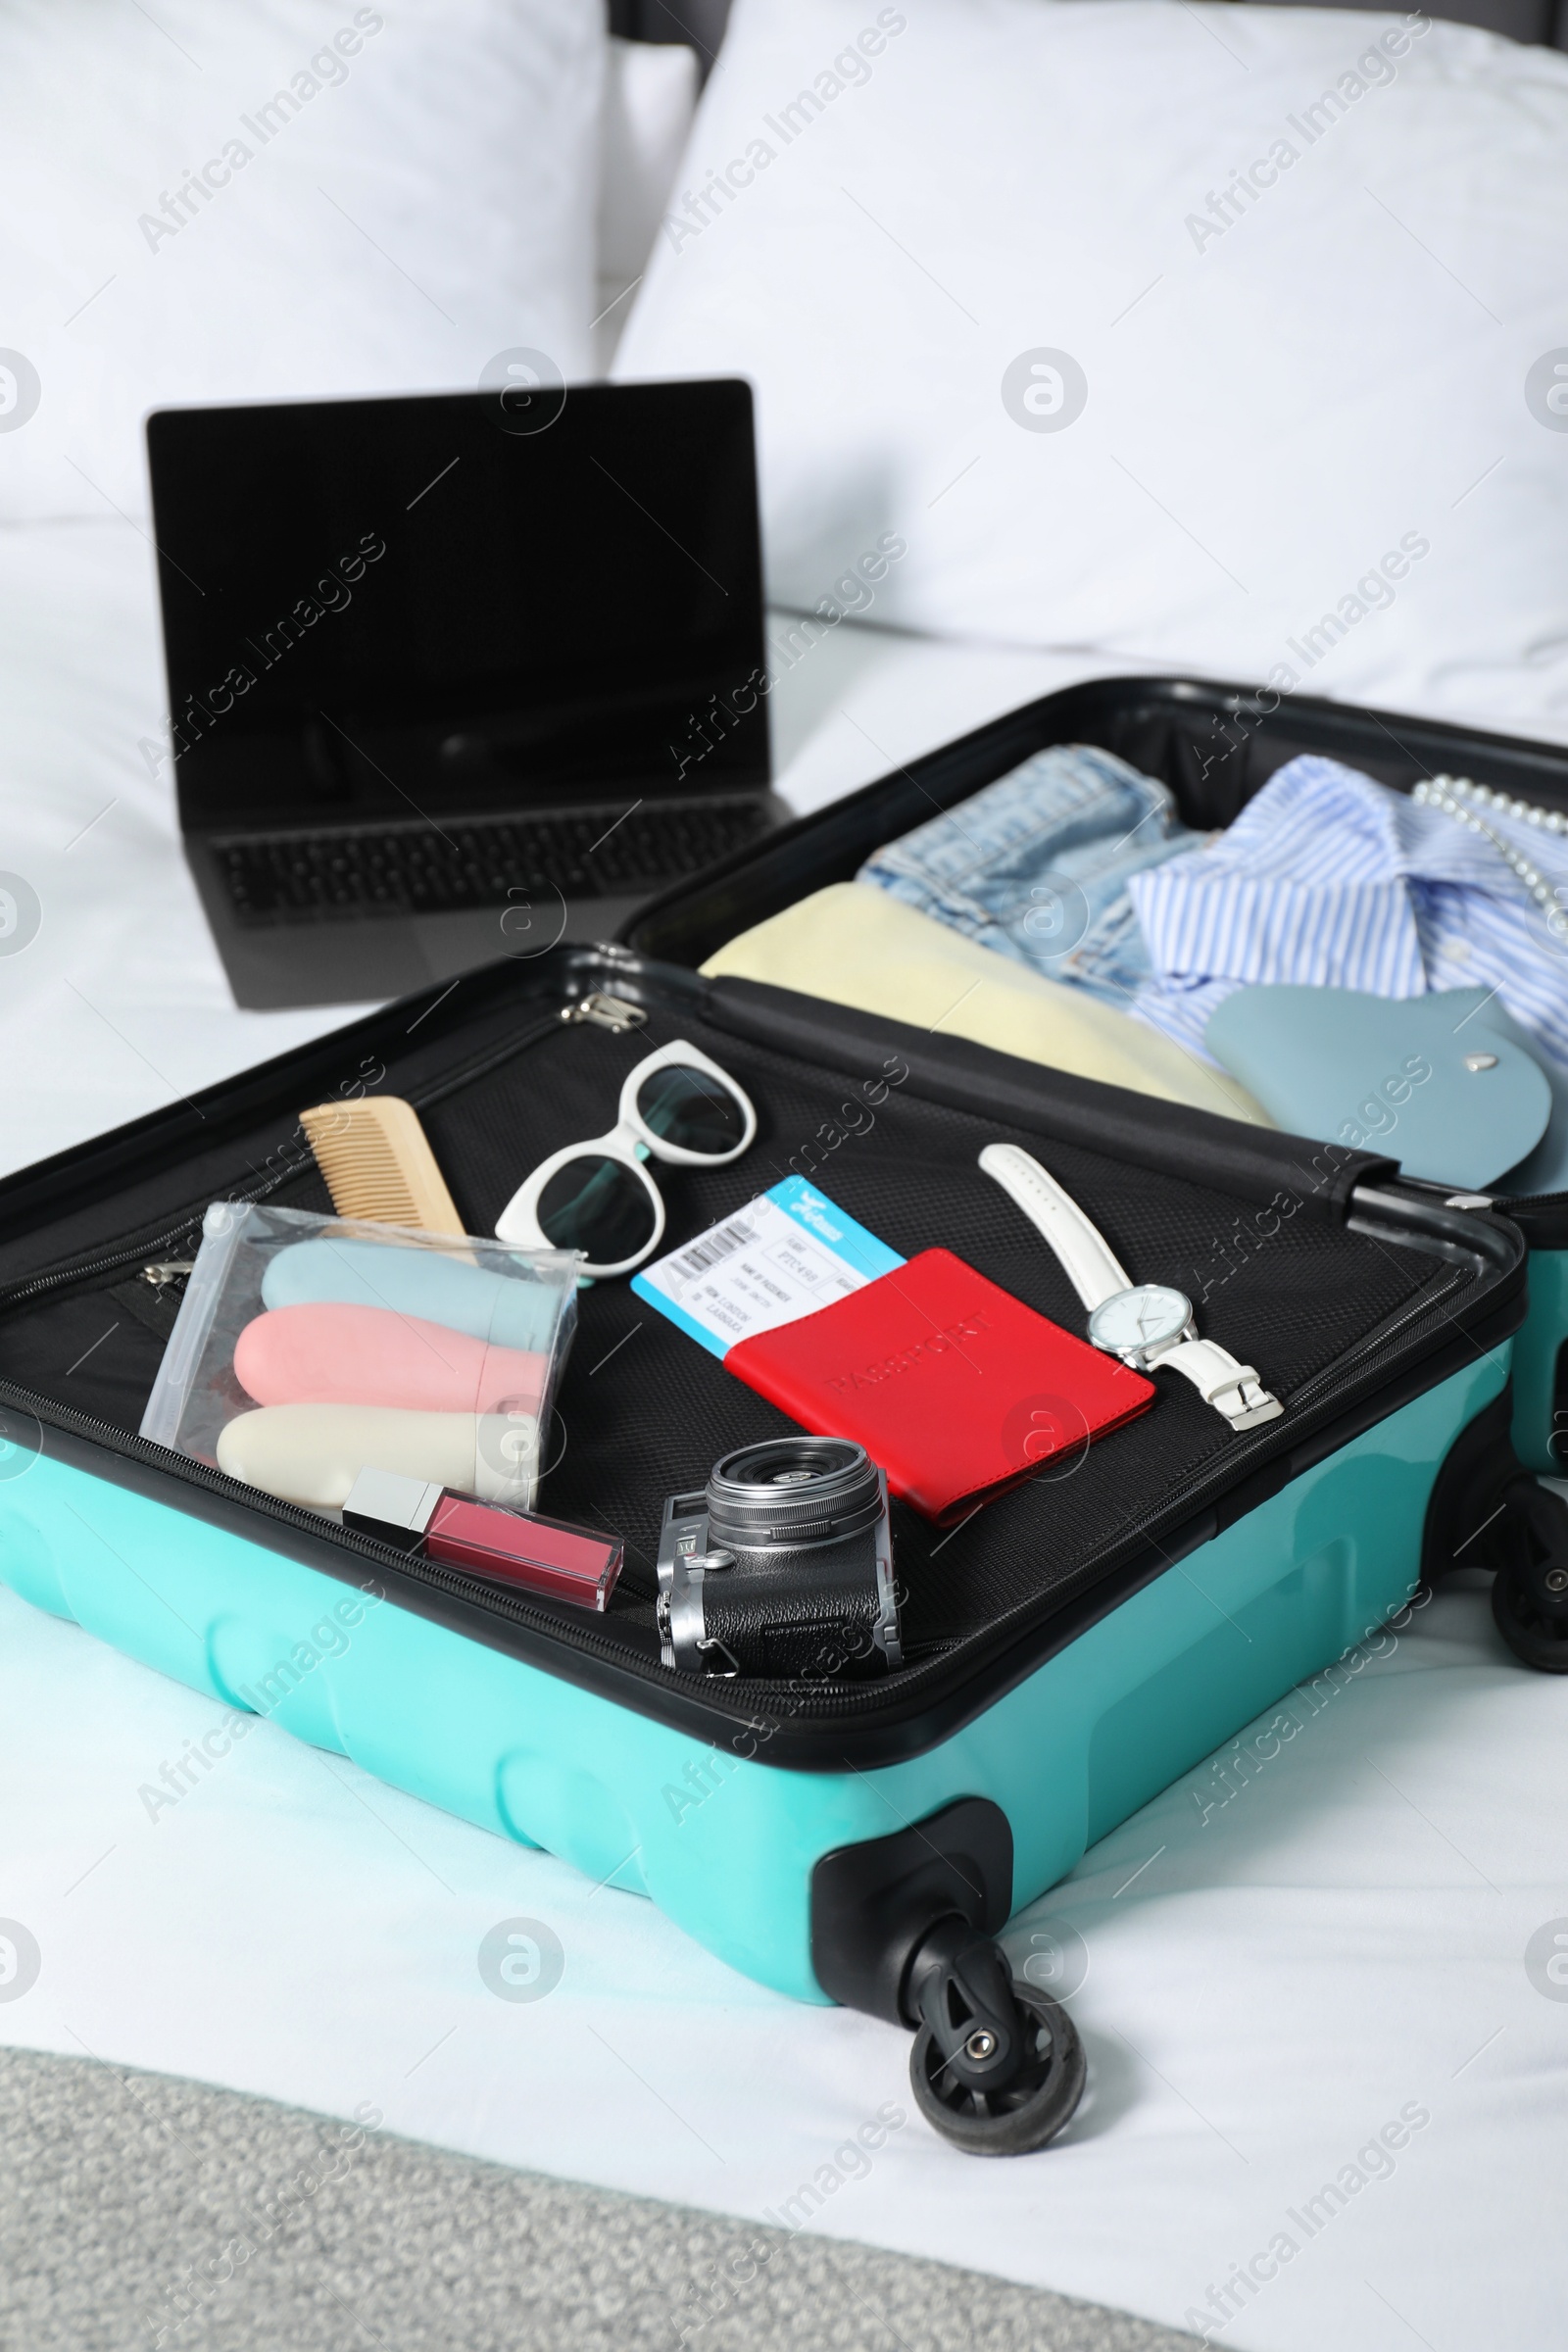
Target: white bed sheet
1270,1980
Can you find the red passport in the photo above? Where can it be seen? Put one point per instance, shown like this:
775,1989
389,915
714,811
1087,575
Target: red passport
956,1388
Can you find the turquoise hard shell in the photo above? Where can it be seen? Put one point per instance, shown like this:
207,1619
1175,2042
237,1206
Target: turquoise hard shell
723,1841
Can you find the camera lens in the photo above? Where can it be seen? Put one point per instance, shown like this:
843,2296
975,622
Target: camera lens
788,1491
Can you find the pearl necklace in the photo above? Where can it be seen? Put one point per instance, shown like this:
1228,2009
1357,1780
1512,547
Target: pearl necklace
1457,797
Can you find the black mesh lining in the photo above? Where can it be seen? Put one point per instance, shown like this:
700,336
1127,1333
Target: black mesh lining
653,1415
643,1410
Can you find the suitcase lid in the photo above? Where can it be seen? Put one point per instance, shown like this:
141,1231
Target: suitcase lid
1213,745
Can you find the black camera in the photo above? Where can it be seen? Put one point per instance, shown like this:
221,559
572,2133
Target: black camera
782,1565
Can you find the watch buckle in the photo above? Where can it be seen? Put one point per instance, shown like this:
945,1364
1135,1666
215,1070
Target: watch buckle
1252,1416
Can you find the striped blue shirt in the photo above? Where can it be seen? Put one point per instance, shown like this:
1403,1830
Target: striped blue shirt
1328,879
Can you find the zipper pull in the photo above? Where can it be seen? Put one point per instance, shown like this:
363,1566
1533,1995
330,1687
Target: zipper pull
166,1270
605,1012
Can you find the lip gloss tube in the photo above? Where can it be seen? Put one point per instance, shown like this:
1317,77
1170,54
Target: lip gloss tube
515,1549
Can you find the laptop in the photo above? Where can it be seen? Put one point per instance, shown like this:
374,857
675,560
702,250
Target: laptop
456,677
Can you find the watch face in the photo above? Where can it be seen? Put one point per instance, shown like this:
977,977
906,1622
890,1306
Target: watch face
1149,1316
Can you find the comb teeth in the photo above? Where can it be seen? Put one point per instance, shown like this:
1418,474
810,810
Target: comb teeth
378,1164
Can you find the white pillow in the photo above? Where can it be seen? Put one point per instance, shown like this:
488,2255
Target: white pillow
1306,448
650,95
393,196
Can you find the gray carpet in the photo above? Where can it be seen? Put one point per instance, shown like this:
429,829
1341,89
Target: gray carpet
137,2210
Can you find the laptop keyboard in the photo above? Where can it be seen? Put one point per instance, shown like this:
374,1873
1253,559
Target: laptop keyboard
291,878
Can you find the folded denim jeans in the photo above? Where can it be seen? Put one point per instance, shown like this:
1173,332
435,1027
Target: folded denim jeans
1037,866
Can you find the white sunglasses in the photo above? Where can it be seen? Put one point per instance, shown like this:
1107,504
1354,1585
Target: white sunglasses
598,1197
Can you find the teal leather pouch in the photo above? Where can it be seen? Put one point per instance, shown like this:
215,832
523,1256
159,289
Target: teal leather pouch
1546,1170
1445,1084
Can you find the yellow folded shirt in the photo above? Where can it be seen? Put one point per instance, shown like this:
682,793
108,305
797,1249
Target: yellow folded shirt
855,945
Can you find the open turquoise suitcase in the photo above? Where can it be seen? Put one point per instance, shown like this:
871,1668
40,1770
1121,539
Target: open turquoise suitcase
1069,1650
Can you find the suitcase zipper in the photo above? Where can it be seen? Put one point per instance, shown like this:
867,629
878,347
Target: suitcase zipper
155,1248
151,1251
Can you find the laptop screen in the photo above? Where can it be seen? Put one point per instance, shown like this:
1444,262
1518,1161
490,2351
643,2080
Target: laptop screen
399,608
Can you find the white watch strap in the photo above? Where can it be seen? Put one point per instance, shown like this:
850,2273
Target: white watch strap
1087,1263
1232,1388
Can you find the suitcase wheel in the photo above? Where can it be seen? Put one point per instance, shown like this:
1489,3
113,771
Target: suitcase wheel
1514,1523
996,2066
1530,1590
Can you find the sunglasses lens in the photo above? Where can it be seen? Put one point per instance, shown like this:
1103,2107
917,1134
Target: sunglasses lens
598,1205
691,1109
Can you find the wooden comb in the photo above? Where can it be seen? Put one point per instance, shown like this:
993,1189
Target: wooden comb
378,1164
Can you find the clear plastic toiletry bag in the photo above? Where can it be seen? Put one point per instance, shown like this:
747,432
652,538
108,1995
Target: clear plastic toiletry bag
310,1348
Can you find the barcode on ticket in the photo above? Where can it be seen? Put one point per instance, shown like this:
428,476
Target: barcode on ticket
719,1244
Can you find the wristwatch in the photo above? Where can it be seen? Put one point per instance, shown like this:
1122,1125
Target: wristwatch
1147,1324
